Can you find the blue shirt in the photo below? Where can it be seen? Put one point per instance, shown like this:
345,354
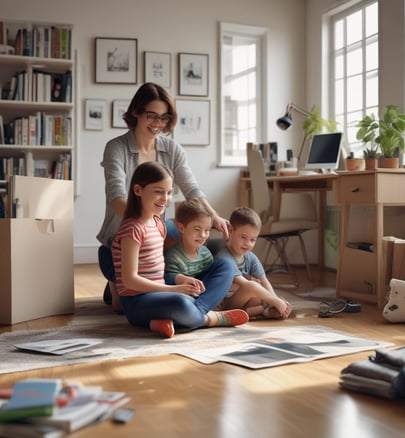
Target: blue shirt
249,265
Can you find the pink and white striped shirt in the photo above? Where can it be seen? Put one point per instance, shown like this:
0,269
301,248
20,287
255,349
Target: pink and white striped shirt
150,239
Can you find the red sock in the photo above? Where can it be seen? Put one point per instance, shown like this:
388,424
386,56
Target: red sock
164,327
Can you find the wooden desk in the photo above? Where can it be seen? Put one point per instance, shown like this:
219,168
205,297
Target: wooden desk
319,184
361,274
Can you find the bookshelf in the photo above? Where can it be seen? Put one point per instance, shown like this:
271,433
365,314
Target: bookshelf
37,117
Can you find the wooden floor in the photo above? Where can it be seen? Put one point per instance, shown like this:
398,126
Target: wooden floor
177,397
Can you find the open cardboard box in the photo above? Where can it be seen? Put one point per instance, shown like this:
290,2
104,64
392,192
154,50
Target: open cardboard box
36,266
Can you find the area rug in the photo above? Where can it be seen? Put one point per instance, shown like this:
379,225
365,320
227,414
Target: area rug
94,320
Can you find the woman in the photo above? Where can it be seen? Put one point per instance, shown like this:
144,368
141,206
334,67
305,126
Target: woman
150,114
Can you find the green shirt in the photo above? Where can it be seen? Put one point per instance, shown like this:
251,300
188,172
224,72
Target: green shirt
176,262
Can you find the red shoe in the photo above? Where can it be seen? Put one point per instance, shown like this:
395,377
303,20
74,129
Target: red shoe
230,318
164,327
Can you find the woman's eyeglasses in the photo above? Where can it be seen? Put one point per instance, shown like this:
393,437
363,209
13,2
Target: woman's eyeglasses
151,116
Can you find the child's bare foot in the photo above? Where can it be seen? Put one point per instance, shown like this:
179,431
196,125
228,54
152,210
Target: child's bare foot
283,310
164,327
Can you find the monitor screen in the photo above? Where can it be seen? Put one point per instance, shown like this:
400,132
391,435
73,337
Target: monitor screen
324,151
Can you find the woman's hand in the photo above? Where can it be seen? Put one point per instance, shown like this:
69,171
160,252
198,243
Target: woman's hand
221,225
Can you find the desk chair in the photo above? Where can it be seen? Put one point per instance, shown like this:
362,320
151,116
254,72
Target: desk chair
298,213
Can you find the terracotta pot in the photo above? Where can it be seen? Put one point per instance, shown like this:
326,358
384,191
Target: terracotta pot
371,163
388,162
355,164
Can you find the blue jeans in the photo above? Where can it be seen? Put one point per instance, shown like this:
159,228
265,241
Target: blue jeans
183,310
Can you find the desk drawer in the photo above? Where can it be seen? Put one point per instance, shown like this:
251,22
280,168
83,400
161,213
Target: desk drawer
356,189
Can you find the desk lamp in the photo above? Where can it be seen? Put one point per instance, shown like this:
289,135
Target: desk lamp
286,121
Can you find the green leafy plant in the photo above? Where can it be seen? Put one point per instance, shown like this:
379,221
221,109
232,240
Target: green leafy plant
316,124
386,133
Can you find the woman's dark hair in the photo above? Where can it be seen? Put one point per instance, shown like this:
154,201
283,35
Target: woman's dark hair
149,92
146,173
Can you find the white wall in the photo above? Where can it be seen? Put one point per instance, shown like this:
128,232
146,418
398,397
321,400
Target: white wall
170,26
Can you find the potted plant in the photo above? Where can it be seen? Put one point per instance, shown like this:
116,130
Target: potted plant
386,133
353,163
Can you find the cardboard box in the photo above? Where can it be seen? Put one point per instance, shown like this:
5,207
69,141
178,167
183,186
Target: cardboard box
36,269
36,265
393,259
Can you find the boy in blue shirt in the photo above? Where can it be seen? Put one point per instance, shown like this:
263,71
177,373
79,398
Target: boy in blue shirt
251,290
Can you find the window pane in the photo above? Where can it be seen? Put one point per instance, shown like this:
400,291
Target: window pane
354,93
372,56
339,97
240,91
371,90
339,35
355,67
339,66
354,61
372,20
354,27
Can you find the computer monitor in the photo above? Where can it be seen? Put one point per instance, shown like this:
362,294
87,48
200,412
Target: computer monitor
324,152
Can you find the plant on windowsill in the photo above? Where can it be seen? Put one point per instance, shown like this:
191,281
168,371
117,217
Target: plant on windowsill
386,133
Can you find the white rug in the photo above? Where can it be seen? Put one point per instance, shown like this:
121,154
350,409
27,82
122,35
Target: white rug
93,319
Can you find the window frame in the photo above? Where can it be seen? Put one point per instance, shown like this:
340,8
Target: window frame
333,17
260,34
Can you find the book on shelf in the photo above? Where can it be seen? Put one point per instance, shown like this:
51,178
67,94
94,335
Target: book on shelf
40,86
39,129
38,40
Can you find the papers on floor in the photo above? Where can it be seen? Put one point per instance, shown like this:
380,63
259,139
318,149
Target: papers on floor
59,346
286,345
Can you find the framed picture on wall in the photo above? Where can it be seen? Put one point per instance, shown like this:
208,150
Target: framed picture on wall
193,125
119,107
94,114
193,74
158,68
116,60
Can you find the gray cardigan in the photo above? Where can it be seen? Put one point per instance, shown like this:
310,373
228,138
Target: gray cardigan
120,159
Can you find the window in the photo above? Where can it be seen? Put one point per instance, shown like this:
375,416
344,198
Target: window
354,36
243,78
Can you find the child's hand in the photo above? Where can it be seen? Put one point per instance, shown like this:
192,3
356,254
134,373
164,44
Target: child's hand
190,285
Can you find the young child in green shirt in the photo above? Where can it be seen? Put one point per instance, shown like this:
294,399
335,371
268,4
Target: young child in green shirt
189,261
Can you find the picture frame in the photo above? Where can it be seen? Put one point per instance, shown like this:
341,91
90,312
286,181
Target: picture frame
119,107
193,125
193,74
158,68
94,114
116,60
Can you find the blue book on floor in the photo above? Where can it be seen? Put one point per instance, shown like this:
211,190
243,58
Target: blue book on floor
31,397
